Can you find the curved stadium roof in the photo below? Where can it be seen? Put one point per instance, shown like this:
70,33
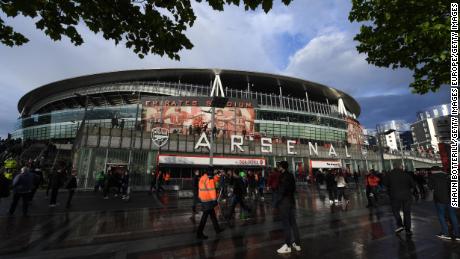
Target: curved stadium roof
262,82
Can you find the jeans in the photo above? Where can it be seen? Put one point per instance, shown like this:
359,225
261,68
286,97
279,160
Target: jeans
341,193
441,209
289,224
99,185
396,205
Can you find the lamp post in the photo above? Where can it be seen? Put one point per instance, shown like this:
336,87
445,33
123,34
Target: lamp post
379,138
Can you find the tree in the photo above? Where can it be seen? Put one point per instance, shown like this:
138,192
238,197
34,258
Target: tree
411,34
146,26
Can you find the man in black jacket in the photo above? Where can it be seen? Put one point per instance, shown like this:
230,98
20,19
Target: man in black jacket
399,185
439,182
56,183
286,205
22,188
239,191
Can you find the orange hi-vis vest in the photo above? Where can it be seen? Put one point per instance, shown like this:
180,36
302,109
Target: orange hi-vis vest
207,189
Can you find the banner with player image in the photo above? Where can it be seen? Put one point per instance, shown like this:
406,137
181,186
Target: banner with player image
192,115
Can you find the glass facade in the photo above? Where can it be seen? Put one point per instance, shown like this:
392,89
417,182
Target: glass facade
307,132
276,116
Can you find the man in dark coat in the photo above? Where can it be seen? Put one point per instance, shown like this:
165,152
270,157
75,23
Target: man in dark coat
331,186
22,188
399,184
56,183
439,182
286,205
239,191
71,185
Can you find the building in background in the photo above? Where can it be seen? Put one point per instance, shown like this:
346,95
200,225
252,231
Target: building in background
431,128
160,120
395,133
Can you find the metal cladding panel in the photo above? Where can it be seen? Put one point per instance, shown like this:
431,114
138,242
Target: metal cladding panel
261,82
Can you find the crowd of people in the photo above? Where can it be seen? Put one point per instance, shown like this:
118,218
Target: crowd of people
229,189
113,182
22,184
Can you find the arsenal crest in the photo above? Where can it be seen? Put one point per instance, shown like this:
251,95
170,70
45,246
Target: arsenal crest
160,136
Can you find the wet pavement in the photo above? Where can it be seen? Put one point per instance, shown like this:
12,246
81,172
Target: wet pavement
161,227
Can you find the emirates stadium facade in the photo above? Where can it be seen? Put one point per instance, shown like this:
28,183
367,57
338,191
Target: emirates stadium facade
161,118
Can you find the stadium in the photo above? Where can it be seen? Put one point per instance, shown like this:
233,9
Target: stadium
144,120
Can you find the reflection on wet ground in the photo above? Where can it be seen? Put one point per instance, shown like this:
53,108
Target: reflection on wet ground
162,227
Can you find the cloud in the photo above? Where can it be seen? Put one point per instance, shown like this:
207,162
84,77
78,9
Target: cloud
331,58
308,39
377,109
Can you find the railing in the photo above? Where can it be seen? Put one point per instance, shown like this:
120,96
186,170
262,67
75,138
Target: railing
267,100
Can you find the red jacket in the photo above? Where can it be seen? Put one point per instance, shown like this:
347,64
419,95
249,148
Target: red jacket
372,180
274,180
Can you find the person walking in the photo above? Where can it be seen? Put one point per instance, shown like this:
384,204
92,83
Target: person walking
439,182
286,205
100,178
153,182
372,187
208,197
160,179
341,184
71,185
331,186
421,181
260,185
252,184
273,183
22,188
399,185
56,183
239,191
125,185
107,184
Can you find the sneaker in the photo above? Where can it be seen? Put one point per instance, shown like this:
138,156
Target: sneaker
331,202
442,236
335,201
285,249
399,230
296,247
52,205
456,238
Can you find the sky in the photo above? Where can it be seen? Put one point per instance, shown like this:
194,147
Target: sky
309,39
